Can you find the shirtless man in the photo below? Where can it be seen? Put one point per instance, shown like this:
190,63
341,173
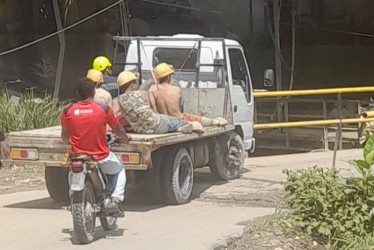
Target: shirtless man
166,99
135,107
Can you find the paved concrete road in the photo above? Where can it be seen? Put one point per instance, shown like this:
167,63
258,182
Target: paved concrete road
31,220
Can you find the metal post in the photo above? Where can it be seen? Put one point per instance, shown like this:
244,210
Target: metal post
335,149
340,107
287,119
294,13
226,81
139,62
61,54
198,64
325,129
126,31
250,10
278,62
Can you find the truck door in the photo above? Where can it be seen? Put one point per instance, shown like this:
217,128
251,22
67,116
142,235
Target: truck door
241,94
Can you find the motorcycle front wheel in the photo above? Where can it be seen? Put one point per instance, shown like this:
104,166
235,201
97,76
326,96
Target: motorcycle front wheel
108,222
84,215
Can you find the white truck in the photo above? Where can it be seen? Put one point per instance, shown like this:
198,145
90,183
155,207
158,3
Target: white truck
215,81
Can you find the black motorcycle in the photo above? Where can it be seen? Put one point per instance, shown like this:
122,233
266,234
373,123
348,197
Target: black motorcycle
90,193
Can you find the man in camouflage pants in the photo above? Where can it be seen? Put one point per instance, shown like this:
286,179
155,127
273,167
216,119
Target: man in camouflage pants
135,107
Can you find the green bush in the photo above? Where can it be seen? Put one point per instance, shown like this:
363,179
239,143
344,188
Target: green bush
335,210
28,112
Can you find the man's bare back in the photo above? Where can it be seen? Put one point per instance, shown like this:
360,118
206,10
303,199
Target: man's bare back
165,98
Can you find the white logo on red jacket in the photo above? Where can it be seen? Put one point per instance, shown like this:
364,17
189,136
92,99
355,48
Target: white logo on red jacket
78,112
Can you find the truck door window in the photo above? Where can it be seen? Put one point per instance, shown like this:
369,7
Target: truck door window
239,71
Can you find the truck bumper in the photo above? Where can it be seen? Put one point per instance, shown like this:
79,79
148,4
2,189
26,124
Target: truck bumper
251,145
61,164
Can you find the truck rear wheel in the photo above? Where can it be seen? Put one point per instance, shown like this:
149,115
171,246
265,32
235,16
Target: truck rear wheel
179,177
227,157
57,183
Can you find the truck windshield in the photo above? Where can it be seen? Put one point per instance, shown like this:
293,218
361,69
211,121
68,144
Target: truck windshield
178,57
184,62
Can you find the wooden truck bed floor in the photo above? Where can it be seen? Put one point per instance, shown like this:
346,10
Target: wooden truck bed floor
48,142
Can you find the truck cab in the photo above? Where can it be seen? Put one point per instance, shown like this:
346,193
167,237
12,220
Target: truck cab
212,72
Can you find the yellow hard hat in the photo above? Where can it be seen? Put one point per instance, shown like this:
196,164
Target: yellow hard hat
101,63
95,75
126,77
163,70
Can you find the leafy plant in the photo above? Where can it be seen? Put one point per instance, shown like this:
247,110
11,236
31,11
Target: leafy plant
28,112
44,68
334,210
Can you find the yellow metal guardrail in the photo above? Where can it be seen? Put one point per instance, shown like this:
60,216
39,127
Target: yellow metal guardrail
311,123
368,116
330,91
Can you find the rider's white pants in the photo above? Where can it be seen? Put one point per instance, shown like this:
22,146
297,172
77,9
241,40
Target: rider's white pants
113,166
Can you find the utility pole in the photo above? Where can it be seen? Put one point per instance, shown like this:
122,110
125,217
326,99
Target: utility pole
278,62
61,54
294,12
250,12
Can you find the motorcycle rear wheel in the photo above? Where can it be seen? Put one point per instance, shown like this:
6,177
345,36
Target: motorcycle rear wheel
84,215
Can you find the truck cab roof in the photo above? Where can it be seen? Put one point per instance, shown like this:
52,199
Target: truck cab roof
229,42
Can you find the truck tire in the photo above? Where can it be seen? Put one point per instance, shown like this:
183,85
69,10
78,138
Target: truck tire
57,183
179,177
227,157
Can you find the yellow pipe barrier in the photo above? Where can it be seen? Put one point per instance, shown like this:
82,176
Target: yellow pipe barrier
310,123
330,91
368,114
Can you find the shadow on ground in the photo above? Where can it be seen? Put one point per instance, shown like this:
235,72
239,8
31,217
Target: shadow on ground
45,203
135,200
100,233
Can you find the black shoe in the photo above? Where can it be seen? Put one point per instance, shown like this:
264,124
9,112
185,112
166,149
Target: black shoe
113,209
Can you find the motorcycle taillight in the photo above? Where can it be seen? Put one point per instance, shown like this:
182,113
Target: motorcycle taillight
77,166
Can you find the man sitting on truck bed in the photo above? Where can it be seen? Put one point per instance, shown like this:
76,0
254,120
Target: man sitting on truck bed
136,109
101,95
84,123
167,98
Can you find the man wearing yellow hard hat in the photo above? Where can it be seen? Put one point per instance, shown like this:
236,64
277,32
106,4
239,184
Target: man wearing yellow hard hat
104,65
150,82
135,107
168,98
101,95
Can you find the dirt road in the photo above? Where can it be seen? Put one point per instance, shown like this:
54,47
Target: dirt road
219,210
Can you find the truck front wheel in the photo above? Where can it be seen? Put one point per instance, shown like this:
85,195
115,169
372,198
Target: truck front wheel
57,183
227,157
179,177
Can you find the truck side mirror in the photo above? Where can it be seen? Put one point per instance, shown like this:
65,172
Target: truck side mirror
269,78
